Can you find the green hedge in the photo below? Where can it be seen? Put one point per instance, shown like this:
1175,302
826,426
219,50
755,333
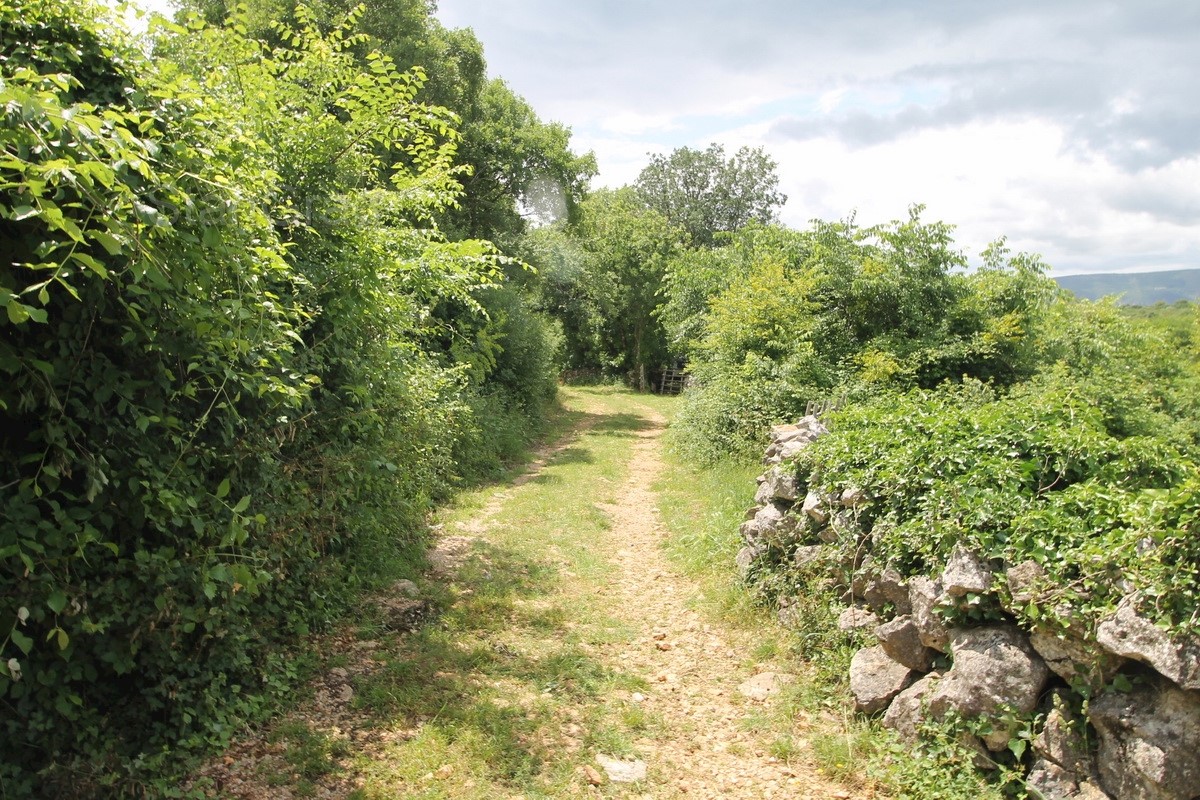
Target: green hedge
221,385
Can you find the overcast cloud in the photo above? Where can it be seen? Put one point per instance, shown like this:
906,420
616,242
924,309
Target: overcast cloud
1072,128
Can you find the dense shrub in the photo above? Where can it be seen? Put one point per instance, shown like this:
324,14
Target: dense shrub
221,378
775,319
149,335
1084,469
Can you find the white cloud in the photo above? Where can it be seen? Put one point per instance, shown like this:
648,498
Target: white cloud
1069,127
631,123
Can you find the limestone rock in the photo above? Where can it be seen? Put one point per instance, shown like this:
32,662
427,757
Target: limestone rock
789,440
1149,741
923,595
806,428
750,530
852,497
815,508
1090,791
746,558
620,771
1069,656
875,679
907,712
770,516
901,640
781,483
965,574
773,523
883,589
855,618
994,666
764,685
1052,782
763,494
806,555
404,613
1061,742
1023,582
1127,633
792,449
866,572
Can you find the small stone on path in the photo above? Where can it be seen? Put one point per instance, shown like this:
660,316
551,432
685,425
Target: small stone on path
406,587
619,771
765,684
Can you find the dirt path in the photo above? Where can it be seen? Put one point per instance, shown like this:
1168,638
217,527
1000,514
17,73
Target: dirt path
568,657
696,669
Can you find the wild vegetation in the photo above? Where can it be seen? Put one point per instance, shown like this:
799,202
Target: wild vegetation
276,288
240,357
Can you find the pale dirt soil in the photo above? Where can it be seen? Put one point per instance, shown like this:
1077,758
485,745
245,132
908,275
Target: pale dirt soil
694,666
703,746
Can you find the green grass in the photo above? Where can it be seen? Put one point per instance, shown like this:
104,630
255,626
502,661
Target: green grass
702,508
307,755
492,691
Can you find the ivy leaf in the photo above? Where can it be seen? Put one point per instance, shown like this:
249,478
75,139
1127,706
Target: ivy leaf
1017,746
57,601
22,641
61,635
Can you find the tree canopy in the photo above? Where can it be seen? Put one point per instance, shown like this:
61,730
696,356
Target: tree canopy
704,193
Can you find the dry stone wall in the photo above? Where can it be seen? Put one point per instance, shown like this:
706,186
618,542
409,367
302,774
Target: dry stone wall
1140,735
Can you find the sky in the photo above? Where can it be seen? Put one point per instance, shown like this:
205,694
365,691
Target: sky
1071,128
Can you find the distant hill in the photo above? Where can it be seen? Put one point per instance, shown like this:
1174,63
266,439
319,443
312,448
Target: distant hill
1136,288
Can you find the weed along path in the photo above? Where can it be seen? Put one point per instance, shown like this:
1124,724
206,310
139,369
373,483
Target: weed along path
567,655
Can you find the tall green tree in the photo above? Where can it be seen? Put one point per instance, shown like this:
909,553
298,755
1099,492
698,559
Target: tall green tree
629,245
705,193
563,290
516,166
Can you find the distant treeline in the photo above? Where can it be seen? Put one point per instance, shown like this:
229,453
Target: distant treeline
1137,288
